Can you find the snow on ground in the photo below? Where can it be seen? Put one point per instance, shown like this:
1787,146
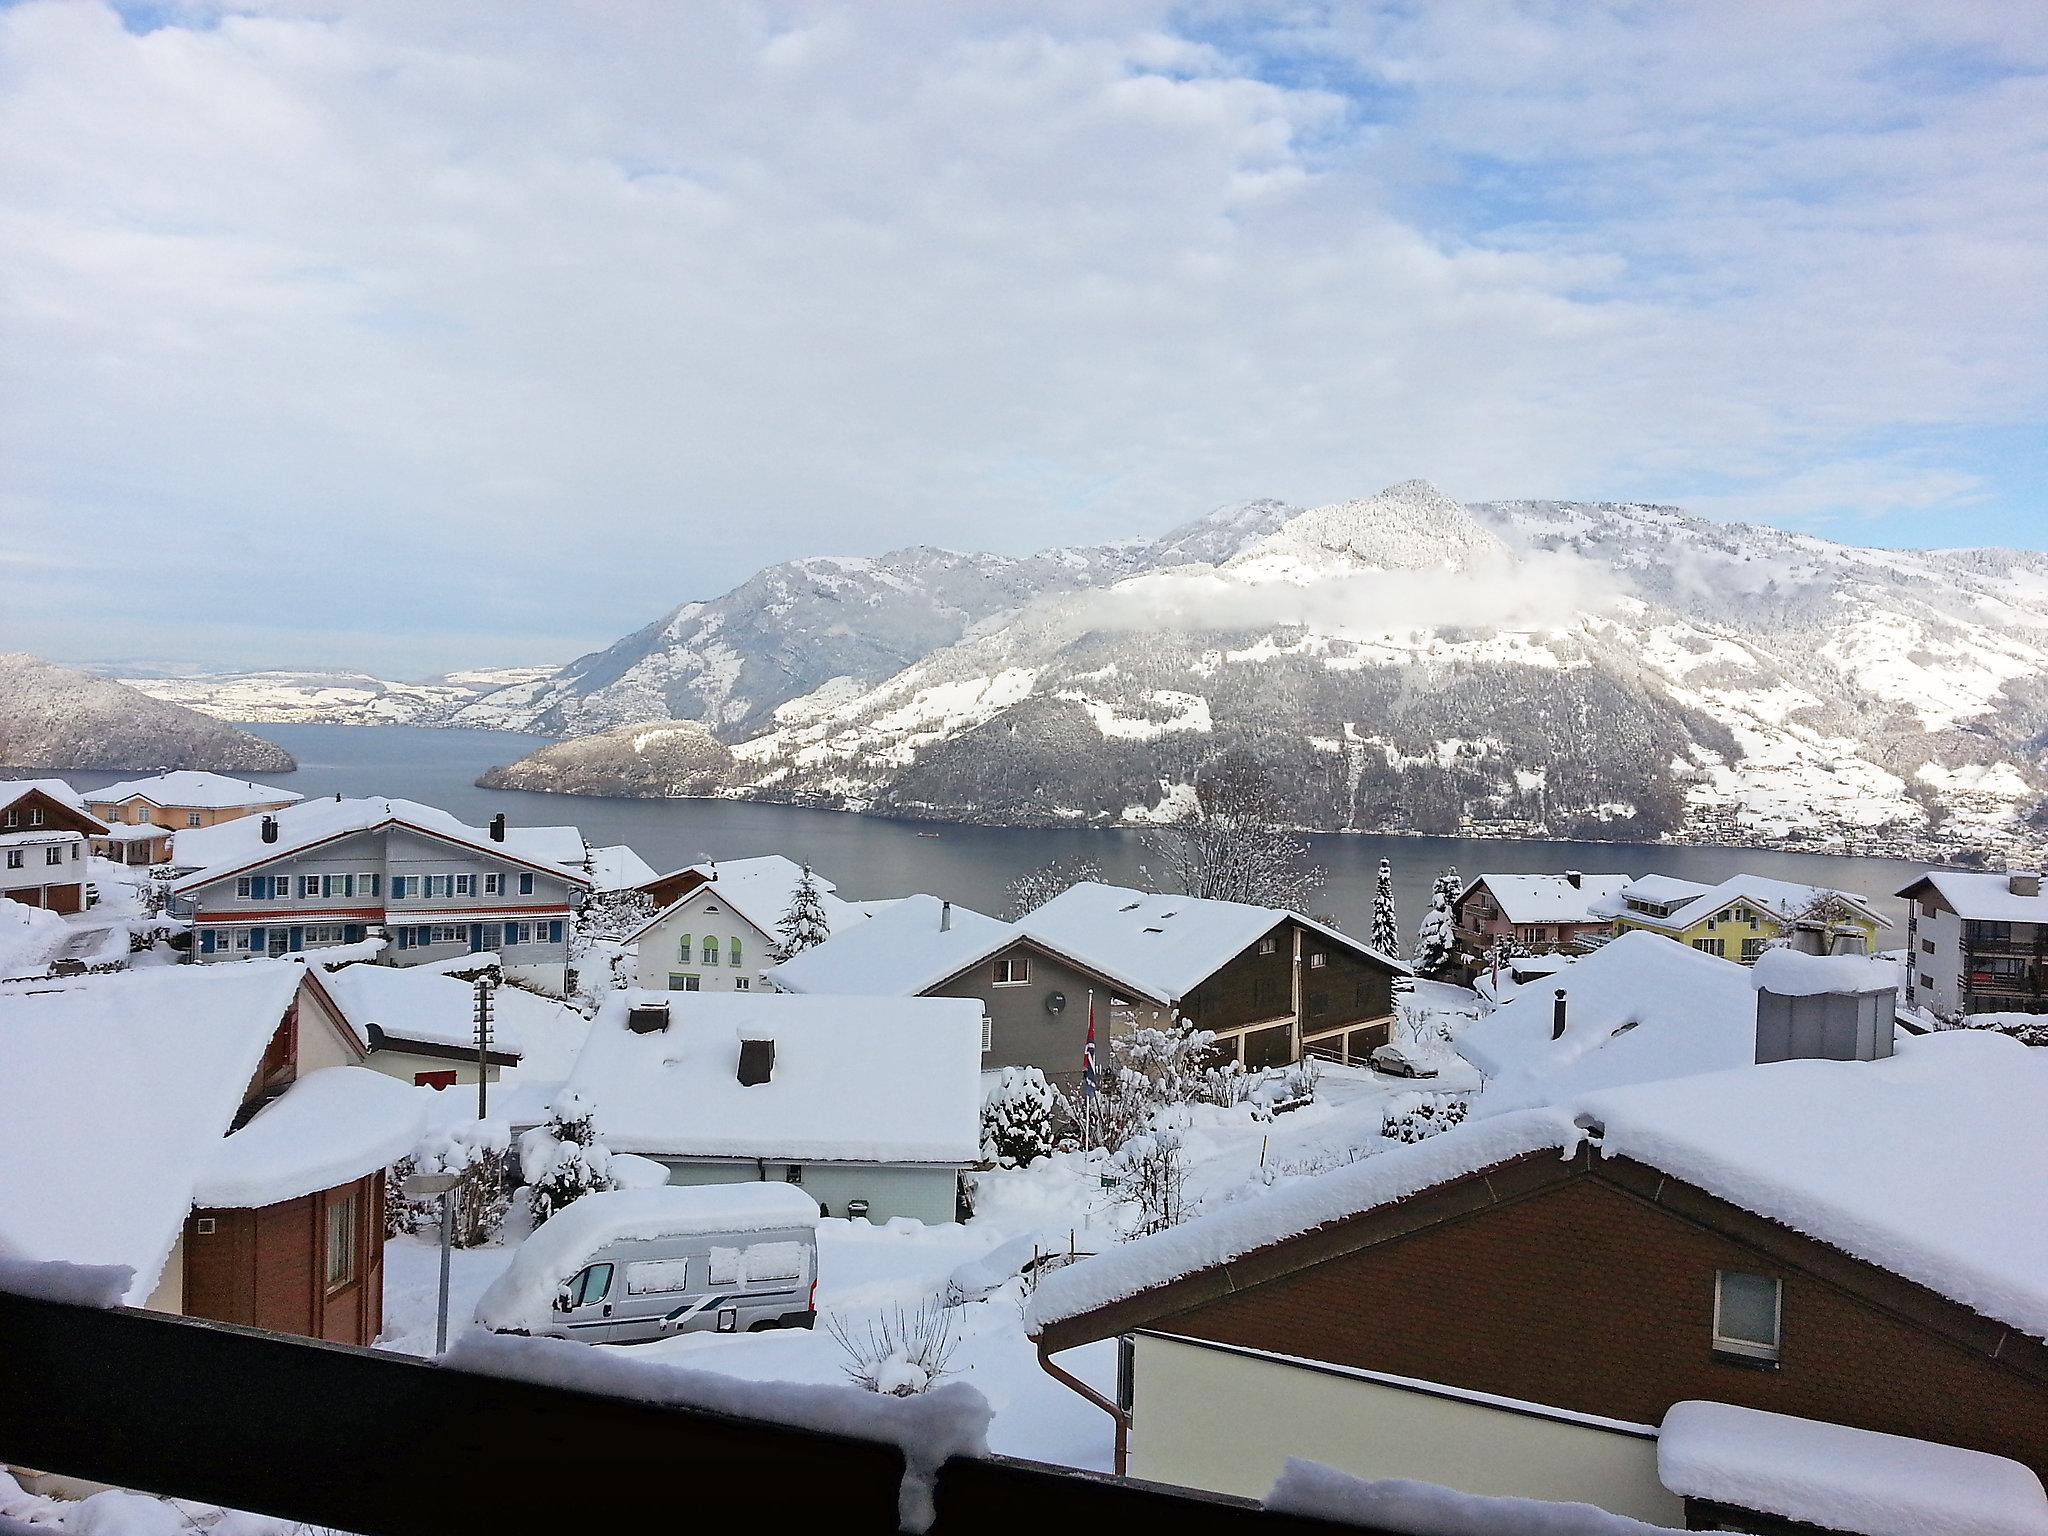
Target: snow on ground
865,1271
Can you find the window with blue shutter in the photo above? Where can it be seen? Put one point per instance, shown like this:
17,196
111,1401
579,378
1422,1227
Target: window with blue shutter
526,885
405,938
298,938
206,941
352,933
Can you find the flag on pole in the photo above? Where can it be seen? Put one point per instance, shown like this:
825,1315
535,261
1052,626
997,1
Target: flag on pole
1088,1073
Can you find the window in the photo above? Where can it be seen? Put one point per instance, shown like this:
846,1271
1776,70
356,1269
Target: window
321,933
398,887
775,1261
732,951
1318,960
1926,981
35,816
434,1080
53,855
793,1174
14,858
590,1286
245,886
337,885
493,884
727,1265
683,950
1927,946
1268,946
1712,946
1751,948
14,818
309,885
447,933
1013,973
1747,1313
465,885
526,885
341,1241
657,1277
1927,909
191,818
742,984
366,885
988,1034
241,938
692,984
675,981
710,951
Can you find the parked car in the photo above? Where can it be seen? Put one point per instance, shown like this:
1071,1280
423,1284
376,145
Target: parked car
1398,1060
629,1265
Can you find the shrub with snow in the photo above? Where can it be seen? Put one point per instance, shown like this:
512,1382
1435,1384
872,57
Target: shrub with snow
1035,887
2027,1028
563,1160
1386,924
480,1153
1412,1117
402,1216
1020,1118
1436,941
804,925
1150,1171
899,1354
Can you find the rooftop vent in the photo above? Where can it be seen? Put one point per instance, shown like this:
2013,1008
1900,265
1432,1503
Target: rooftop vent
757,1062
945,917
498,827
647,1018
1557,1005
1841,1007
270,829
1574,879
2023,882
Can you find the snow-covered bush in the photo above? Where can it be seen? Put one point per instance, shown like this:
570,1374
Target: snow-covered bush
1386,924
563,1160
402,1216
1020,1118
479,1152
804,925
609,915
1150,1171
1412,1117
899,1353
1436,941
2027,1028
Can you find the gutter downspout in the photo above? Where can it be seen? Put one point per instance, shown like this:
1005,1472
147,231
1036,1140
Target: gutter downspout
1074,1384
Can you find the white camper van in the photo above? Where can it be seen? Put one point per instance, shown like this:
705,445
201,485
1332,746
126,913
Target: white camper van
630,1265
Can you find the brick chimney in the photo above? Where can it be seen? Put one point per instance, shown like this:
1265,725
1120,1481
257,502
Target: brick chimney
498,827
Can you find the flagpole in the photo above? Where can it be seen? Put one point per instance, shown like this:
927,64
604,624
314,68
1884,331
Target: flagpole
1088,1080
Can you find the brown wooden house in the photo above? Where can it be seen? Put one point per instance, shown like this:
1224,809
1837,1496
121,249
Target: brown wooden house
1516,1306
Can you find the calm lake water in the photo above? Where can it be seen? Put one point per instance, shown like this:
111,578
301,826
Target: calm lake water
868,856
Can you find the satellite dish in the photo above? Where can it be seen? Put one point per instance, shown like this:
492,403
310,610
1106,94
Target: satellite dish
1055,1002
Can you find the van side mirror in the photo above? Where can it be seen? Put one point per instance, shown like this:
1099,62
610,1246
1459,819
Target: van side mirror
562,1302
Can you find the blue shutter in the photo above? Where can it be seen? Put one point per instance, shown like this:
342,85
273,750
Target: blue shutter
298,939
476,937
405,938
352,933
206,941
554,933
257,940
397,887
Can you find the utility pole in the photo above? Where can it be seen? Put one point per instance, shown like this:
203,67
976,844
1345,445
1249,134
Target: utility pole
483,1044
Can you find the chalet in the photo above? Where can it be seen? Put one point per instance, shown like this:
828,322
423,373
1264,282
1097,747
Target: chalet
202,1131
419,1024
1537,914
1741,916
142,814
872,1105
330,872
1271,984
1811,1239
44,832
1977,943
719,923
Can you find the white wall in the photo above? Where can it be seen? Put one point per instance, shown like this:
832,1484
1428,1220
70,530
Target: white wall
1227,1421
702,915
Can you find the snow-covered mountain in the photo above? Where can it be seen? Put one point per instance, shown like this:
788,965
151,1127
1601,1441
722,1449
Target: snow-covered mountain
332,698
54,717
1402,662
827,624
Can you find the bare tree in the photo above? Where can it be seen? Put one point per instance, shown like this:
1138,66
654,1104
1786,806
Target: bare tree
1035,887
1234,848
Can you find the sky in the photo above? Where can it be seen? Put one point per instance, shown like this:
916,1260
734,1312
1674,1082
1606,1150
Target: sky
411,337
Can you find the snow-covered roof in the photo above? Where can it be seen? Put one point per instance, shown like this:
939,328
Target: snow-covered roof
1162,946
424,1004
1843,1479
199,791
898,952
1785,899
872,1080
1987,898
1552,898
526,1289
136,832
211,853
12,790
115,1092
1789,973
759,890
1260,1221
1882,1159
330,1127
1636,1009
616,867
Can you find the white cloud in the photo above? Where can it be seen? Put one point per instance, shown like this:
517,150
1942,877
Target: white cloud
547,317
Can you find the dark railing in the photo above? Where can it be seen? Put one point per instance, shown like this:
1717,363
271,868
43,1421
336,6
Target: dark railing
389,1445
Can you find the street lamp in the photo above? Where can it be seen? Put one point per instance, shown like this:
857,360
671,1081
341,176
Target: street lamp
429,1186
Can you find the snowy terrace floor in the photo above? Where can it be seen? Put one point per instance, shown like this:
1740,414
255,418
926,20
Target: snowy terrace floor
864,1271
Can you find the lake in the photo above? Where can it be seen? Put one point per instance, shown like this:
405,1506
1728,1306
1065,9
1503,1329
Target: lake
870,856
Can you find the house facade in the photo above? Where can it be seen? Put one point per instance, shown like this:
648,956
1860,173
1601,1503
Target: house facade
142,814
1977,943
1539,914
338,872
45,834
718,928
1741,917
419,1026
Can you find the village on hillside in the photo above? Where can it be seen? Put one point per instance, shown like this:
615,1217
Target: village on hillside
1704,1206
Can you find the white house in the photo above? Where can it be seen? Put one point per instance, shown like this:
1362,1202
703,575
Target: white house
43,831
419,1024
1975,942
718,934
873,1105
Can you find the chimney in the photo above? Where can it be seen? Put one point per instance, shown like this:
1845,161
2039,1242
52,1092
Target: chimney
1809,1007
270,829
498,827
1574,879
757,1062
945,917
1557,1015
2023,882
647,1018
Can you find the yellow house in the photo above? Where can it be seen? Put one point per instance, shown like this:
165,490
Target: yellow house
143,814
1739,917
